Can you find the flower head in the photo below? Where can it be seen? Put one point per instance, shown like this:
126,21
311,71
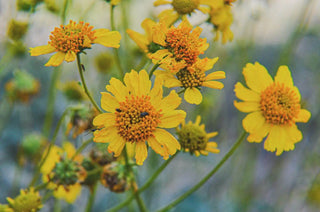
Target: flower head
193,78
112,178
63,173
73,91
181,8
73,38
136,114
17,29
28,201
194,139
273,107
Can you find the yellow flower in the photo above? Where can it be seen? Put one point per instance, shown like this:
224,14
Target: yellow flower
73,38
193,78
181,8
194,139
136,114
5,208
273,107
66,192
28,201
221,17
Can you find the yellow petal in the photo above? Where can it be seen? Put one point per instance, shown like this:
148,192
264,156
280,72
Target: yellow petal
153,143
148,25
118,89
130,149
253,121
105,119
247,107
101,32
257,77
172,118
141,152
168,17
246,94
109,102
56,59
259,133
161,2
116,145
167,140
159,33
156,93
139,39
284,76
170,102
216,75
109,39
193,96
70,56
210,63
132,82
70,194
160,54
144,83
213,84
40,50
303,116
105,135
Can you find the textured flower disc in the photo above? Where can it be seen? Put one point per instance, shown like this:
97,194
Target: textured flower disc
190,80
184,7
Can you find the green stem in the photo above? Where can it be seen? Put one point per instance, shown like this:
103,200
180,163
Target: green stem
145,186
52,143
207,177
180,92
6,109
64,11
142,63
83,145
85,85
91,198
115,50
51,100
153,69
41,186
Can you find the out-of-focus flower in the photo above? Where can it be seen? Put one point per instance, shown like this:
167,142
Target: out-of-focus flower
17,29
273,107
63,172
22,87
72,39
221,17
73,91
5,208
112,179
136,114
104,62
27,5
193,78
81,120
52,6
181,8
113,2
100,156
194,139
29,200
31,147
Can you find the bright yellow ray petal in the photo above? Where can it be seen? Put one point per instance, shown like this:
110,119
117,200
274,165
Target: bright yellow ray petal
294,134
116,146
105,119
109,39
170,102
172,118
148,25
212,134
210,63
141,152
70,56
253,121
161,2
167,140
40,50
117,88
153,143
284,76
303,116
101,32
144,83
159,33
156,93
168,16
132,82
130,149
259,133
139,39
213,84
108,102
257,77
160,54
246,94
56,59
216,75
247,107
193,96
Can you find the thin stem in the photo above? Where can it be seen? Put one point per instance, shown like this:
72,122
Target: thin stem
153,69
207,177
52,143
85,85
92,196
142,63
145,186
6,112
64,10
180,92
83,145
41,186
115,50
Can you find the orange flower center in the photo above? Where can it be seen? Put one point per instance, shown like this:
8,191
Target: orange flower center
184,7
189,80
72,37
279,104
136,119
182,44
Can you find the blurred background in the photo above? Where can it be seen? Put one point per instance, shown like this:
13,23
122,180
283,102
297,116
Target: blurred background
271,32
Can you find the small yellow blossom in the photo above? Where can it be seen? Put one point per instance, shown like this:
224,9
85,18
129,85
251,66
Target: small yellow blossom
136,114
193,78
194,139
29,200
273,106
71,39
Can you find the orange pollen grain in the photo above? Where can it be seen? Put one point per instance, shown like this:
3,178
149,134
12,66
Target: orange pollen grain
72,37
279,104
137,119
183,45
190,80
